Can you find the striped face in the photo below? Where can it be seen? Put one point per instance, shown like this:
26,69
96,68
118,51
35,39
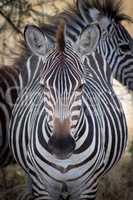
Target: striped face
118,40
117,46
62,83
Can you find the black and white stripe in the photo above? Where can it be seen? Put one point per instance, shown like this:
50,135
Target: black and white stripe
9,89
117,46
100,133
11,84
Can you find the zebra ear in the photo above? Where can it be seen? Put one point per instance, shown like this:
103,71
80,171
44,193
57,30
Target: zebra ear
36,40
88,40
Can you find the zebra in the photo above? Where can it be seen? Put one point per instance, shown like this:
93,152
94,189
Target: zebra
10,86
67,127
114,41
9,82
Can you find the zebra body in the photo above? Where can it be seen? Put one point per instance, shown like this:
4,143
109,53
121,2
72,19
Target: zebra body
9,82
10,86
67,127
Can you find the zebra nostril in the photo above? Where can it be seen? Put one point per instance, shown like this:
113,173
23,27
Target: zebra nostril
62,147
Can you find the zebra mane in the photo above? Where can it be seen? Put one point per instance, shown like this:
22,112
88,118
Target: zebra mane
113,9
60,40
110,8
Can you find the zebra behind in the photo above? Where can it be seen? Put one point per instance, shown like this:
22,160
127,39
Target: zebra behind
114,41
67,127
9,89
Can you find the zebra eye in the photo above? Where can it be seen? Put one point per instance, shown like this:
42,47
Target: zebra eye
81,86
124,47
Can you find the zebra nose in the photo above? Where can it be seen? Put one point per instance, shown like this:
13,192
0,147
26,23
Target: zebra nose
61,147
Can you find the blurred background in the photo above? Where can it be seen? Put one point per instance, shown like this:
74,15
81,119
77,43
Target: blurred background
14,15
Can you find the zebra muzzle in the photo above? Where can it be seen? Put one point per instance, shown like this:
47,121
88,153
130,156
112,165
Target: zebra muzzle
62,147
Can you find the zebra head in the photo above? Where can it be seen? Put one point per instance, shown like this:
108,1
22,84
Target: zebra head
62,82
115,41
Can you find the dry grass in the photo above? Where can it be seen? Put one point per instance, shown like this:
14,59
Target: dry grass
118,184
12,182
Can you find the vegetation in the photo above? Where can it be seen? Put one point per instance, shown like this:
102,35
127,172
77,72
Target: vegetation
16,14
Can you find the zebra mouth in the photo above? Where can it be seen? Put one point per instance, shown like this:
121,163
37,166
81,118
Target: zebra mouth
62,148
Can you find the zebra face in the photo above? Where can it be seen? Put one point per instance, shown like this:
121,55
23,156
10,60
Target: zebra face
117,45
118,40
62,83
